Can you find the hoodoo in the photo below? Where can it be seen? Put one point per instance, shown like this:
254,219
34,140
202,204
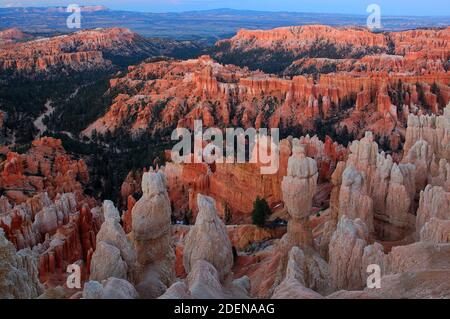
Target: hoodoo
346,196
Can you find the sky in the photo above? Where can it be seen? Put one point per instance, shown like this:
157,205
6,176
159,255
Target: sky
388,7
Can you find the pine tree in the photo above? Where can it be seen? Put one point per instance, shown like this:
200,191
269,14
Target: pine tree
261,212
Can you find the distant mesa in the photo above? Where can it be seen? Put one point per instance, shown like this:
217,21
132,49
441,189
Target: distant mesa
83,9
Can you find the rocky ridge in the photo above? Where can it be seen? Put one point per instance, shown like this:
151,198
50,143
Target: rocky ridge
87,50
154,96
346,208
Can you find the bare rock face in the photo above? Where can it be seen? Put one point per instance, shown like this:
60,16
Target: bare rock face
13,35
54,215
107,262
151,236
393,192
346,253
421,156
178,290
324,240
110,211
76,52
419,270
363,155
112,233
317,273
294,290
18,272
114,255
111,288
242,236
354,294
434,203
299,186
208,240
185,181
435,130
375,189
56,221
45,167
151,214
440,174
295,252
420,256
353,201
412,271
130,186
380,182
208,259
300,38
61,231
373,255
295,283
92,290
423,284
427,147
443,133
400,195
436,230
203,282
330,225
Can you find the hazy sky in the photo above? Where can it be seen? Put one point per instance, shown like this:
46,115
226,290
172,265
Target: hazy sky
389,7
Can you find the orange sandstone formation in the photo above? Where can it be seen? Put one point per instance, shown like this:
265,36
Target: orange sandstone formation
45,167
76,52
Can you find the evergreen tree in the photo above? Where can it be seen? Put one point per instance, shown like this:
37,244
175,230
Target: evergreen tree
261,212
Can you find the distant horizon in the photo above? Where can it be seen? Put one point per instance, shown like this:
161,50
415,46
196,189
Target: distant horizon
224,9
228,9
433,8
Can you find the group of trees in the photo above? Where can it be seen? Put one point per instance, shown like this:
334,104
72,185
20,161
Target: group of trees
79,98
269,61
433,89
73,114
110,163
23,100
278,60
421,94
